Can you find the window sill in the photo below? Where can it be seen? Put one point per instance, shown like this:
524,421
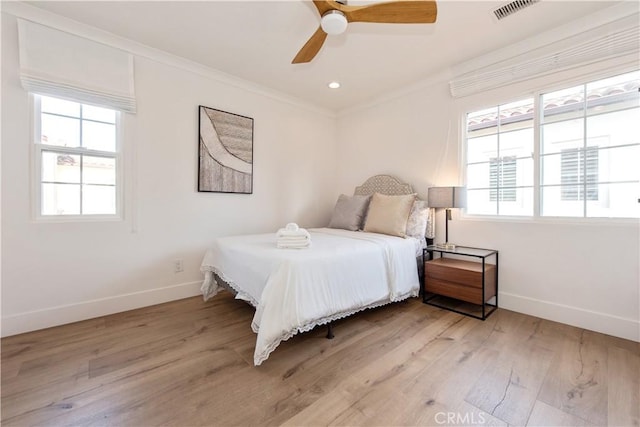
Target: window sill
77,218
552,220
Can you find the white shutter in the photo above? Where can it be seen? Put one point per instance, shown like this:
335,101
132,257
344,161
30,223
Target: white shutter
502,176
575,171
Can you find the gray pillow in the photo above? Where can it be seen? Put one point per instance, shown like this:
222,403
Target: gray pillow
349,212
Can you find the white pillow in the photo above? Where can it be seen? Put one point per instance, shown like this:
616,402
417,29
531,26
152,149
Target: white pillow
418,218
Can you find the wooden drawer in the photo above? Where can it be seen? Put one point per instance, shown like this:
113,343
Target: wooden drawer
460,279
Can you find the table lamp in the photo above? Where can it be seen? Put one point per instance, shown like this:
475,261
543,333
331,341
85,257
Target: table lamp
448,198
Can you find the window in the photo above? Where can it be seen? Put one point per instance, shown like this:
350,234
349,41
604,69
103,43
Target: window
589,149
502,174
500,160
572,164
77,159
586,152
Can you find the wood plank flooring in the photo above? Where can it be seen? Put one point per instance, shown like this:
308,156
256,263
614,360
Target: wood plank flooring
191,363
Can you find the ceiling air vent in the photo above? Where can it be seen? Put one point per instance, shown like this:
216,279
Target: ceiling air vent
513,7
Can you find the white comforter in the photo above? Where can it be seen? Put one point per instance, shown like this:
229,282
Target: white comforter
295,290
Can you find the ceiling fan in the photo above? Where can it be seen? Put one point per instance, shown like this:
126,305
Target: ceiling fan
336,15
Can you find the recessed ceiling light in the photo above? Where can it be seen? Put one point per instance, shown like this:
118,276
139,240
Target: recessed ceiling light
334,85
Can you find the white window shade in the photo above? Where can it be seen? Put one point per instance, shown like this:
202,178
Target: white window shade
612,40
64,65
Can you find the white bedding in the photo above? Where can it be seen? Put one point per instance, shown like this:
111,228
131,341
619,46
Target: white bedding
295,290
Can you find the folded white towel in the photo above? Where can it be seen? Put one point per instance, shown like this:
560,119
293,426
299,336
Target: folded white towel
283,232
293,245
293,237
293,240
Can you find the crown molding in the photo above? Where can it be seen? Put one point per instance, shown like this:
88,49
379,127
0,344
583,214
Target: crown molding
44,17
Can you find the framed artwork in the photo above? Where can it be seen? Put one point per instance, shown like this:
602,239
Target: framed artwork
225,163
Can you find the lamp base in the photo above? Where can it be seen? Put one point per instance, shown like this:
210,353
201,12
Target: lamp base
448,246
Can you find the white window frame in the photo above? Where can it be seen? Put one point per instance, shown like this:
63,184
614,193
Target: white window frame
465,164
37,148
492,101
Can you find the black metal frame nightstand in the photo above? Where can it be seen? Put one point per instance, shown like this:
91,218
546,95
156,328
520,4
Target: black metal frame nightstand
462,251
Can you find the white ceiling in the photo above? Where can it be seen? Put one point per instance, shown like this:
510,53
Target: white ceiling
256,40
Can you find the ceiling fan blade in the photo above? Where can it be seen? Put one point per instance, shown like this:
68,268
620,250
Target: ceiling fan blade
394,12
324,6
311,47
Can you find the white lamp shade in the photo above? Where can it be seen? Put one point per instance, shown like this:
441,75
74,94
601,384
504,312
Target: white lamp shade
333,22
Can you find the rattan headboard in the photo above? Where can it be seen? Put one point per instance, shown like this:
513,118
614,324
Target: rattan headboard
384,184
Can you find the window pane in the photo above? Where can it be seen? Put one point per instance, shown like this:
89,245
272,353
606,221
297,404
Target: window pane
517,143
482,149
626,82
619,164
516,115
614,93
483,122
98,136
99,170
524,172
502,173
563,104
516,202
61,131
479,202
572,167
60,167
97,113
617,128
60,199
550,169
563,135
554,205
59,106
98,199
615,201
478,175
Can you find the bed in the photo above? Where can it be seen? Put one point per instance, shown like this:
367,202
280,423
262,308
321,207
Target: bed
293,290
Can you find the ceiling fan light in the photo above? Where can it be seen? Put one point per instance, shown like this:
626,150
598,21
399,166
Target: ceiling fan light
333,22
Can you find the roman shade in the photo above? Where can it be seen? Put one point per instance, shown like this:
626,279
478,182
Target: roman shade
68,66
612,40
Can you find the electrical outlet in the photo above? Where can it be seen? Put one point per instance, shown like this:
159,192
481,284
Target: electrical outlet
177,266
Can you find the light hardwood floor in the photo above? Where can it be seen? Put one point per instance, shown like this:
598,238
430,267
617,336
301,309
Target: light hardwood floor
190,363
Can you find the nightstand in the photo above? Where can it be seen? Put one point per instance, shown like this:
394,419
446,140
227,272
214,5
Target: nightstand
453,275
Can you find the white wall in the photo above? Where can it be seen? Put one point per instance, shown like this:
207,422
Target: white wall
576,272
54,273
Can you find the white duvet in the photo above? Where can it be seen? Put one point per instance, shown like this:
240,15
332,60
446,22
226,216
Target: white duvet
295,290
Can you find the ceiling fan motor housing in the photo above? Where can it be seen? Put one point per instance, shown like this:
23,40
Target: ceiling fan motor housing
334,22
336,16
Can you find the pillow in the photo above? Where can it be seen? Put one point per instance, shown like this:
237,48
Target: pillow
418,217
349,212
389,214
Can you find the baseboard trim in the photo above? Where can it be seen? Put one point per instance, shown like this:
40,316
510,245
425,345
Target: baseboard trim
60,315
595,321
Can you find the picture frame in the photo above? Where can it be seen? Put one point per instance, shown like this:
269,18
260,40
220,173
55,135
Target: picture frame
225,152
